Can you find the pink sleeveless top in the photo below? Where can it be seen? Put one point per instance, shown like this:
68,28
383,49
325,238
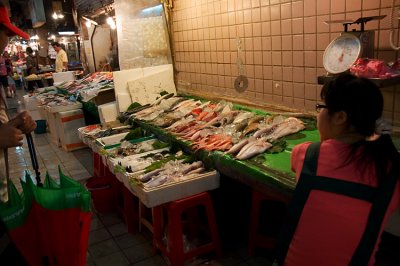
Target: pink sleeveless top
331,225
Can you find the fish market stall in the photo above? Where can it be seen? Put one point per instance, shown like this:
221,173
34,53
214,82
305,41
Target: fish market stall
248,145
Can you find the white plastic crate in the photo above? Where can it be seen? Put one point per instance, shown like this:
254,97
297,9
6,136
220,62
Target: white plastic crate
102,143
30,102
175,191
52,126
64,108
68,123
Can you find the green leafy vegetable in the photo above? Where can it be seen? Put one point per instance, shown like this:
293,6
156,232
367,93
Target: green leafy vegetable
133,106
134,134
159,145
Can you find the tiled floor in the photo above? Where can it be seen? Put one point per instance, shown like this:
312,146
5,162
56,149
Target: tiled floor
109,242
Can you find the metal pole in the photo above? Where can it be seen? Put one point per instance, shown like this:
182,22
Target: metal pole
35,164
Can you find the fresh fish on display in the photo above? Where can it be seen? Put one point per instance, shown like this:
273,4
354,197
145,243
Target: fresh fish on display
166,96
146,177
191,167
222,119
180,123
197,171
152,115
238,146
186,103
253,148
167,104
243,116
146,111
201,134
250,128
227,108
156,181
289,126
266,130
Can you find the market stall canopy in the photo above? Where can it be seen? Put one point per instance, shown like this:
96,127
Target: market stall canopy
88,6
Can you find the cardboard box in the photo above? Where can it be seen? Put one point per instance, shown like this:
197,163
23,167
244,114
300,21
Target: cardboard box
63,76
108,112
104,96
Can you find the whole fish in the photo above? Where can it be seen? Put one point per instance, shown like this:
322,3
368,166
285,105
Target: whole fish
238,146
146,177
197,171
250,128
192,167
156,181
255,148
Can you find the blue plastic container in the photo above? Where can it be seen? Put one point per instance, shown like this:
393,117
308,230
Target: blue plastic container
40,127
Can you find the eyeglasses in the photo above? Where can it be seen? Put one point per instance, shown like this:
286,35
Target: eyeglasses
318,107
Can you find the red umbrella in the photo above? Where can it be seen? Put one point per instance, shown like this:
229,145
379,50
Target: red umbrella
49,223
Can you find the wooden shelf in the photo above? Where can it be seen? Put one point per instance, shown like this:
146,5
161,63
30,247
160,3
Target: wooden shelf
381,83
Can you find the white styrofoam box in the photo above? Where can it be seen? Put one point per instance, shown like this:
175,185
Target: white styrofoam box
64,108
36,115
102,143
51,122
123,101
147,71
152,197
121,79
63,76
30,102
147,89
42,111
84,131
68,123
108,112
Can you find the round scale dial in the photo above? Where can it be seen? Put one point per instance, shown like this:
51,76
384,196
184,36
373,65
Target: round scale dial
341,53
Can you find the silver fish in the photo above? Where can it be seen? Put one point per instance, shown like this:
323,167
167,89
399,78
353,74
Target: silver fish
256,148
192,167
156,181
146,177
238,146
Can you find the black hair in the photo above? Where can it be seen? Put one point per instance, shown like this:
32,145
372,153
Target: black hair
29,50
55,44
362,101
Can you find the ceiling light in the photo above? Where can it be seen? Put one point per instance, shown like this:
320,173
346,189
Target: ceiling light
66,32
111,22
88,24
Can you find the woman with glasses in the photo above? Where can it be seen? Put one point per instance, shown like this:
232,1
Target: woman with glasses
348,184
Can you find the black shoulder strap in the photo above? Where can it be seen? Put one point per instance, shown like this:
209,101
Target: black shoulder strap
297,203
379,207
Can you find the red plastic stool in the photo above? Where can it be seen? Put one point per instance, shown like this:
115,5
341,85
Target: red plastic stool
98,166
256,239
130,211
174,249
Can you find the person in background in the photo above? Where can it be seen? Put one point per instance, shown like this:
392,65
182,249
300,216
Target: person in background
31,68
61,58
11,83
11,135
3,78
348,184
